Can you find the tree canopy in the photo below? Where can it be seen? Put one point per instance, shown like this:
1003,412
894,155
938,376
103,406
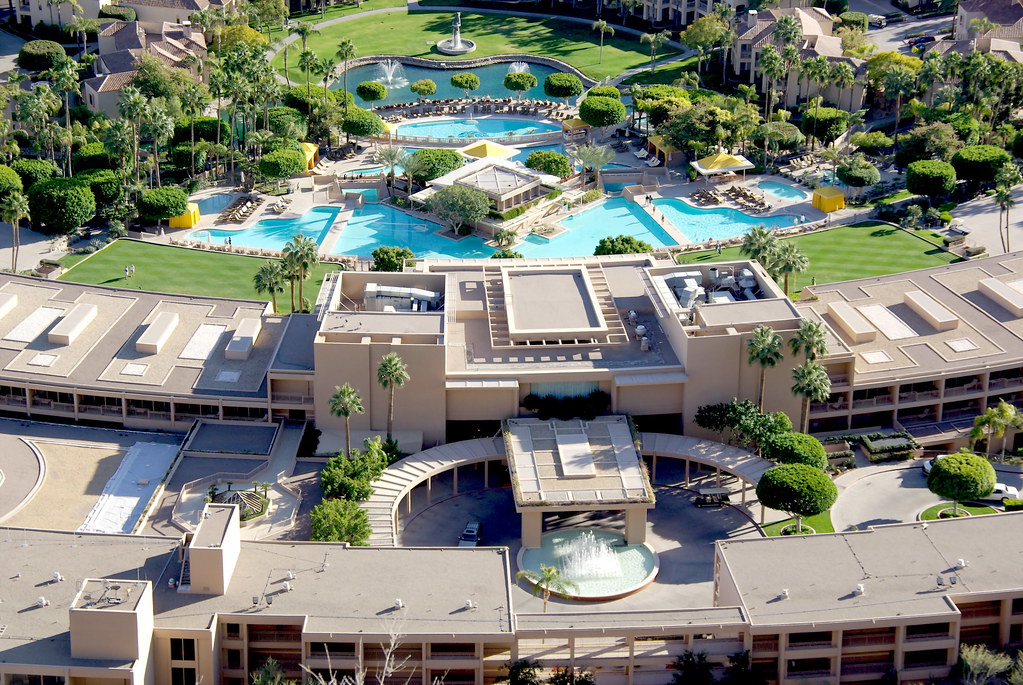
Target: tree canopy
562,86
550,162
600,111
371,91
459,206
433,162
930,177
60,205
340,520
961,477
361,122
796,448
282,164
519,82
797,489
622,244
162,203
391,258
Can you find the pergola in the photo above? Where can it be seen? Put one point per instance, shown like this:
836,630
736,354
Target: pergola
721,163
659,147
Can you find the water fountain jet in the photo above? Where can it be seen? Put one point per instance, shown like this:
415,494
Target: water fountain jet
518,67
392,74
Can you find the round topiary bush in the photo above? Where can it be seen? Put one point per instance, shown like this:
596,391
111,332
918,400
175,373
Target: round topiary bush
282,164
296,97
796,448
600,111
797,489
930,177
33,171
550,162
181,157
605,92
162,203
562,86
961,477
465,81
106,187
436,162
856,20
282,119
60,205
861,174
424,87
979,163
519,82
40,55
90,156
9,181
824,123
371,91
361,122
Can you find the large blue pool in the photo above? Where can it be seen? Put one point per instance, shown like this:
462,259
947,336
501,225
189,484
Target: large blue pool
214,203
782,191
488,127
374,225
272,234
398,77
607,219
719,223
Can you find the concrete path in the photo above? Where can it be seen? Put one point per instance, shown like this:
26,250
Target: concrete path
9,47
981,217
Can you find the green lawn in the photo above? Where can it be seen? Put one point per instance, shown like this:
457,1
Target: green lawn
666,74
335,11
931,514
850,252
495,34
821,523
163,268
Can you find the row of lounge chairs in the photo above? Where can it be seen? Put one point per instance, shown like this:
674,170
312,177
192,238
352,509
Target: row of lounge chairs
280,206
801,162
241,209
747,200
706,197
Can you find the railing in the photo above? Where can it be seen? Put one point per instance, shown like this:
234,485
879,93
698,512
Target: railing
933,663
290,398
861,669
819,673
275,635
13,400
878,401
980,612
918,395
839,379
867,640
809,644
765,645
922,637
999,383
976,386
958,414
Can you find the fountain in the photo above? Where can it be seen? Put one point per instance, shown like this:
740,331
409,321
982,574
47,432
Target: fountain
518,67
456,45
392,74
598,562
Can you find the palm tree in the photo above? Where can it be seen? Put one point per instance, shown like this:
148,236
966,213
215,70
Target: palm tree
810,340
14,208
1007,177
391,157
896,83
119,141
593,157
304,31
326,68
843,76
307,62
604,28
1004,200
160,126
655,40
413,166
345,52
82,27
283,43
344,402
548,581
759,244
789,260
269,279
981,25
811,382
300,255
765,349
391,373
787,30
772,66
193,102
131,107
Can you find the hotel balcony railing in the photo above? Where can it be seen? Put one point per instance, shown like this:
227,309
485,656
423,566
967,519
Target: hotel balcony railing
839,379
765,645
918,395
976,386
811,644
923,637
821,407
288,398
819,673
13,400
864,640
999,383
959,414
878,401
980,612
925,665
275,636
863,669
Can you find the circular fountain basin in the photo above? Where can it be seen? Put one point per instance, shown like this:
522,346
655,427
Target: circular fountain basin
448,47
611,571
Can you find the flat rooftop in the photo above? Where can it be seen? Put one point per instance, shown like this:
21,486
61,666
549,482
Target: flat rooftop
898,566
955,326
102,354
551,301
569,463
106,595
213,526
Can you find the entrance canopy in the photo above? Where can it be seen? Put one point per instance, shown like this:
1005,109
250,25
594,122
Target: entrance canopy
487,148
721,163
829,199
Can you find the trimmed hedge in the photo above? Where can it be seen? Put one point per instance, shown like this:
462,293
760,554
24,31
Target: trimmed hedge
279,118
282,164
601,111
930,177
881,443
106,187
205,129
796,448
9,181
979,163
857,20
60,205
90,156
362,122
296,97
39,55
117,12
605,92
550,162
1013,504
562,86
33,171
162,203
824,123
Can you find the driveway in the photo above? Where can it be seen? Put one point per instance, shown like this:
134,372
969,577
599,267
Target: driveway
981,217
894,36
9,46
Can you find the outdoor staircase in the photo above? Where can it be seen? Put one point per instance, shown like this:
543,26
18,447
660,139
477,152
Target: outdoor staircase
185,580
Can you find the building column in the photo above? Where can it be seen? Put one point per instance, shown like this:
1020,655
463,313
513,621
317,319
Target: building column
687,473
635,526
429,490
455,481
653,469
532,528
486,474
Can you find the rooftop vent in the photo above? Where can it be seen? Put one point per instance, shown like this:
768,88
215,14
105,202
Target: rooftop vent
859,589
961,564
398,603
288,587
42,601
56,577
784,593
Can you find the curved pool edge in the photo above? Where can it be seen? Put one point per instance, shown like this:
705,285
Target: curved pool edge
631,590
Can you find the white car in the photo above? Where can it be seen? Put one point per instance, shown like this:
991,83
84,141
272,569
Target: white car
1001,493
930,463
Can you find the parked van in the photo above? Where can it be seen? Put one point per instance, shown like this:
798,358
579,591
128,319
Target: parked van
472,536
878,20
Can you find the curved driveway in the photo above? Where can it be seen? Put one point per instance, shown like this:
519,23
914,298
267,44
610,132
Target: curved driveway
23,472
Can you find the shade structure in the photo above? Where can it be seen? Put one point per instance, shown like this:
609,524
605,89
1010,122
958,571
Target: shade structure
573,124
721,163
487,148
187,220
659,147
829,199
312,155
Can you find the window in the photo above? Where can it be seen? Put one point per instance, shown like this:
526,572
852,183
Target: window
182,649
182,676
233,630
234,658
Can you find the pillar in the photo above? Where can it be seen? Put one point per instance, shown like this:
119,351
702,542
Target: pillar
486,474
653,469
455,481
635,526
429,490
532,528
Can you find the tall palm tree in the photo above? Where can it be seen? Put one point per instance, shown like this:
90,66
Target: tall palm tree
1007,177
413,167
304,30
345,52
764,349
790,260
1004,200
132,106
300,255
593,157
160,126
269,280
787,30
307,62
811,382
119,141
546,582
193,101
391,157
283,43
14,208
759,244
344,402
772,66
896,83
392,373
843,76
655,40
810,340
995,422
82,27
604,28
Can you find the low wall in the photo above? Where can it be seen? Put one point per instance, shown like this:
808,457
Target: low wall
463,64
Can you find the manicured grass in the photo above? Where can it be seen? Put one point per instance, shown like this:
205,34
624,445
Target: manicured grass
495,34
931,514
821,523
665,74
183,271
850,252
335,11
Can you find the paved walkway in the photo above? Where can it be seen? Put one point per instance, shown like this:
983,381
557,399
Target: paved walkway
9,47
981,217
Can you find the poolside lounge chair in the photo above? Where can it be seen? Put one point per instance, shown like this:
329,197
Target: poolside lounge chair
641,154
653,161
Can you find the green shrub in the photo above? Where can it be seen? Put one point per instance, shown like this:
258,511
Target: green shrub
881,443
591,196
281,119
424,87
798,489
60,205
605,92
117,12
550,162
519,82
282,164
91,156
106,187
296,97
435,162
872,141
979,163
857,20
824,123
1013,504
33,171
181,157
9,181
162,203
362,122
796,448
205,129
884,457
601,111
386,258
556,193
371,91
1017,145
40,55
562,86
930,177
622,244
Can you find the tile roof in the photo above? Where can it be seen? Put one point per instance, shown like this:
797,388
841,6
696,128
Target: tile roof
109,83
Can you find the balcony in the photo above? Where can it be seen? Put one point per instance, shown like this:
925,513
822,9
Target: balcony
811,644
868,640
918,396
274,635
981,611
1000,383
816,673
873,668
924,637
974,387
287,398
880,401
13,400
838,379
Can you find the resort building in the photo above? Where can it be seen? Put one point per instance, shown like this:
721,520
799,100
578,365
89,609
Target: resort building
1007,15
508,185
895,600
756,31
150,13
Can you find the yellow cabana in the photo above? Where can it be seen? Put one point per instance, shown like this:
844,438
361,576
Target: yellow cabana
312,155
188,219
721,163
487,148
829,199
660,148
573,124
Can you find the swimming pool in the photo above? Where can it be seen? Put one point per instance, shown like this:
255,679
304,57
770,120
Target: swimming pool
214,203
372,226
609,218
273,234
489,127
369,194
397,77
782,191
718,223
